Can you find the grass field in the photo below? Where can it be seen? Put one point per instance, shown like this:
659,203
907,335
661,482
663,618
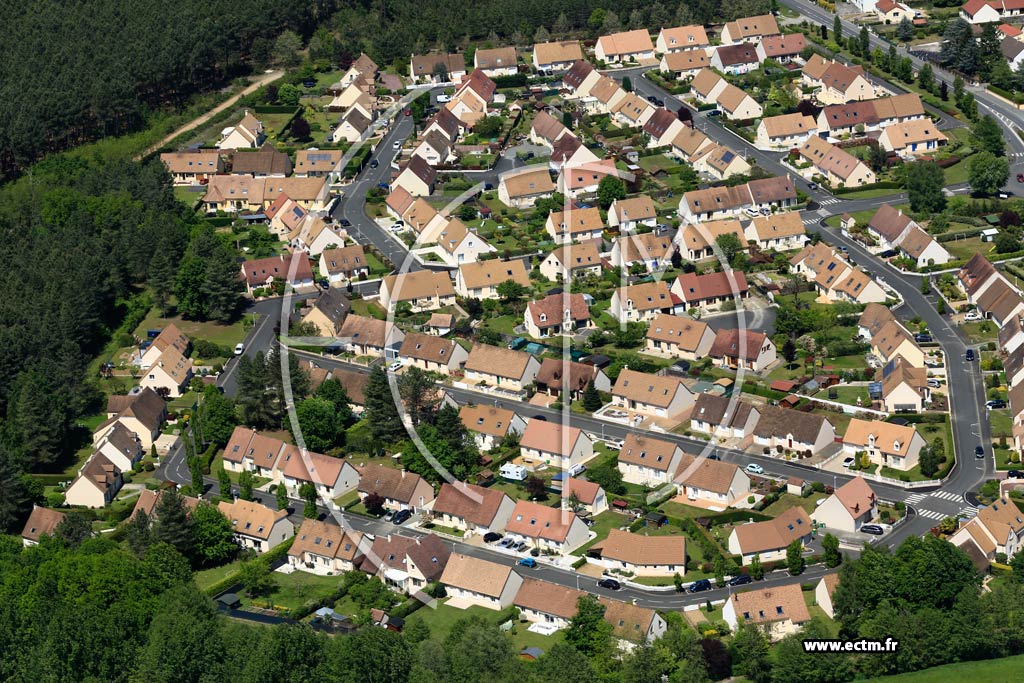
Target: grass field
991,671
442,618
295,590
224,335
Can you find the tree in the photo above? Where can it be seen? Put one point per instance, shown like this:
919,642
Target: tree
381,411
418,394
541,35
588,632
218,415
925,182
608,190
592,398
73,530
308,493
212,536
256,577
688,178
730,246
750,653
607,476
865,42
300,129
332,390
184,643
223,482
246,483
511,291
837,29
989,51
824,32
795,558
944,91
986,173
138,534
195,468
14,495
627,84
925,77
488,126
286,50
789,351
794,664
958,87
561,25
756,568
319,423
171,524
830,544
574,503
282,496
986,135
928,461
535,487
1008,242
905,30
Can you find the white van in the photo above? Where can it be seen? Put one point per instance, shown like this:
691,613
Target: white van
512,471
577,470
442,99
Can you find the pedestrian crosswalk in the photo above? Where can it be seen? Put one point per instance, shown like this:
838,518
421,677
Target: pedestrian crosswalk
828,202
931,514
946,495
915,498
969,512
811,221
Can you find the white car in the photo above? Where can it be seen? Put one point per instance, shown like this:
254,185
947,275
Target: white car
754,468
239,348
972,316
396,366
397,145
847,462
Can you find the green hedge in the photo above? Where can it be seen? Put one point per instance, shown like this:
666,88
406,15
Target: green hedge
960,234
883,185
268,557
1014,97
579,563
275,109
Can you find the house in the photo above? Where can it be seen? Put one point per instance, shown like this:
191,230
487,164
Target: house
256,526
714,482
923,249
417,178
193,167
885,443
641,303
344,264
480,280
783,48
472,509
246,134
904,388
743,349
997,528
652,250
629,215
646,461
575,225
325,548
355,124
407,564
784,131
313,235
435,149
557,445
547,130
859,116
460,245
500,61
547,603
41,522
328,312
149,499
170,336
432,353
1000,302
401,490
749,29
286,216
632,111
735,59
599,95
521,189
912,138
169,374
1011,334
501,369
681,39
469,103
233,193
569,153
976,276
892,341
293,269
661,396
729,418
873,319
580,495
641,555
834,278
331,477
316,163
575,181
892,12
714,203
835,82
780,231
556,56
423,290
678,337
777,192
707,85
436,68
121,446
982,11
547,528
852,505
557,314
736,104
97,483
446,123
569,262
719,162
471,581
580,80
824,592
248,450
365,336
627,46
632,624
684,63
838,167
778,611
142,413
311,193
792,430
261,163
490,424
1013,51
439,324
770,538
710,289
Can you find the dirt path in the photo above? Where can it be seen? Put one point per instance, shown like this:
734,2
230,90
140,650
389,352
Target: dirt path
196,122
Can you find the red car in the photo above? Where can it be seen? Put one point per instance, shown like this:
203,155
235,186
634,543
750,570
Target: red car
1020,177
408,112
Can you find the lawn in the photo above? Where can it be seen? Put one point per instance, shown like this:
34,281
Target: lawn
187,196
787,501
847,395
377,267
966,248
871,193
218,333
295,590
603,523
502,324
979,332
441,619
957,173
991,671
368,308
207,577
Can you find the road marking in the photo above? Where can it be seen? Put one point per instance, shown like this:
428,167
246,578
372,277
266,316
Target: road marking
931,514
969,512
947,495
916,497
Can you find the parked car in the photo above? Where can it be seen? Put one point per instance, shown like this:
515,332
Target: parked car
408,112
847,462
996,404
714,112
520,547
970,354
923,338
741,580
374,163
396,366
754,468
577,469
979,451
1014,474
239,349
401,517
872,529
652,99
1020,177
527,562
934,383
972,316
396,145
610,584
492,536
345,223
659,103
507,542
700,585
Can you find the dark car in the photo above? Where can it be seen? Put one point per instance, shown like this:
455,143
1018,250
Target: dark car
922,338
1014,474
741,580
714,112
540,418
700,585
345,223
1020,177
996,404
979,451
970,354
652,99
401,517
714,456
491,537
610,584
374,163
659,103
872,529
